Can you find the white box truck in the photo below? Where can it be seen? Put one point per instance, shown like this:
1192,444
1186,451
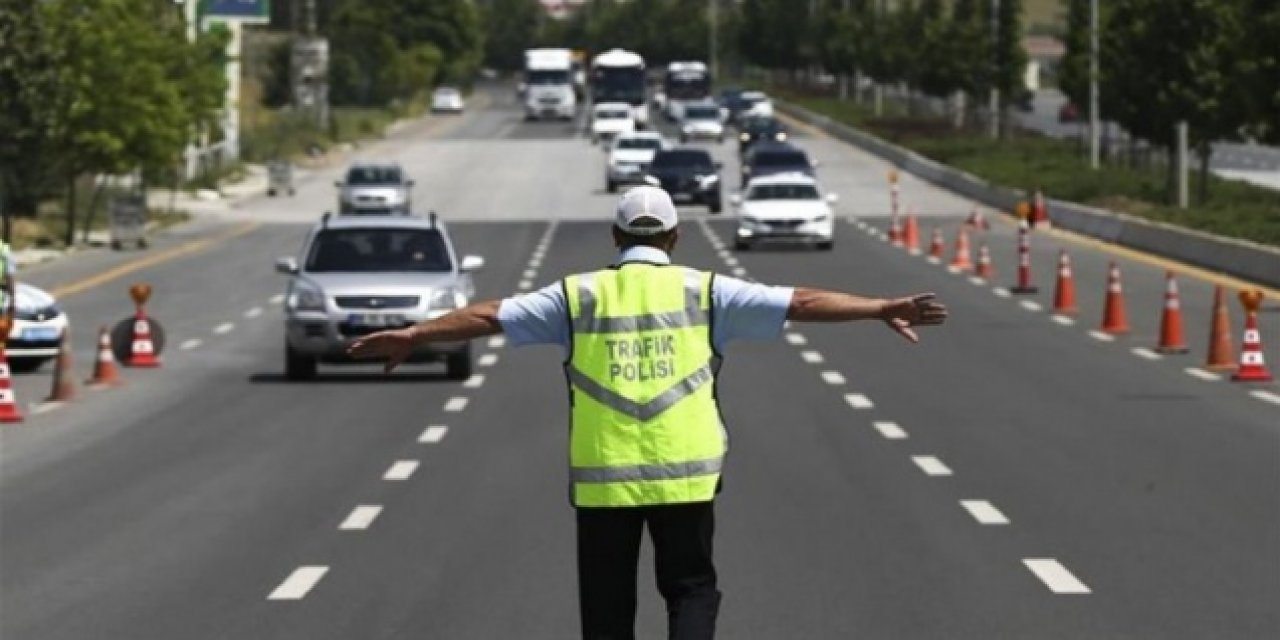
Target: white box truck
548,84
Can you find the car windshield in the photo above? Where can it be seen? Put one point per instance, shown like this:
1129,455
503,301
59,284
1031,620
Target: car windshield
375,250
373,175
639,143
783,192
446,92
780,159
761,125
547,77
702,113
671,159
612,114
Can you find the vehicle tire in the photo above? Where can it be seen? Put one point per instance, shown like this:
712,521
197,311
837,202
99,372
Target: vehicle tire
298,366
458,365
271,193
826,246
611,186
27,365
715,206
740,245
684,139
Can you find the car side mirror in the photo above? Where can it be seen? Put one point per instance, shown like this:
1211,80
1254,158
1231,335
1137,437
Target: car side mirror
471,264
718,165
287,265
736,199
652,181
410,183
337,183
832,198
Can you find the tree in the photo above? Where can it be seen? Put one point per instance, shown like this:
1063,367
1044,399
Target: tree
511,26
1073,70
1010,58
26,79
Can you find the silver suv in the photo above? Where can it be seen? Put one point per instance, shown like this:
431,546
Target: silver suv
360,274
374,189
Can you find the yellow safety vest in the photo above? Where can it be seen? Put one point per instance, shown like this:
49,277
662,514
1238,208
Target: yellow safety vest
646,428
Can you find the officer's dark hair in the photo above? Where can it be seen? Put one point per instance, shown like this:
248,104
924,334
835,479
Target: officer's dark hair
661,240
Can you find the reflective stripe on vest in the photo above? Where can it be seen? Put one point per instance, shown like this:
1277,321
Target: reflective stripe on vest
646,429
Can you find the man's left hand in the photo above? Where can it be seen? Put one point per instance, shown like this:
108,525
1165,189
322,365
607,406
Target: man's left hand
901,314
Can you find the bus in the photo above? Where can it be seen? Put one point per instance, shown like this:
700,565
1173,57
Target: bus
684,83
548,84
617,75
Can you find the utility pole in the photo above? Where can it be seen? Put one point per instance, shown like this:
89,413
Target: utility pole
1095,130
994,99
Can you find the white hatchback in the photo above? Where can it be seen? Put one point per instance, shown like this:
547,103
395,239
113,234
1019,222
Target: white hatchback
784,207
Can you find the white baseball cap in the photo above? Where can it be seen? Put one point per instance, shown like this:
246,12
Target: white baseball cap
646,202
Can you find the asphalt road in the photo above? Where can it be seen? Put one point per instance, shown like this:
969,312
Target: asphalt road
1009,477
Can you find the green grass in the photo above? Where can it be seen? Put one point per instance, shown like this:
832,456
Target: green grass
270,134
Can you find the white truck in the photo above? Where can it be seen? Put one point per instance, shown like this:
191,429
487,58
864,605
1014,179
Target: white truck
548,84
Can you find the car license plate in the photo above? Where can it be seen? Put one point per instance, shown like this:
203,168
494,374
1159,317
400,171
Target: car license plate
376,320
40,334
682,197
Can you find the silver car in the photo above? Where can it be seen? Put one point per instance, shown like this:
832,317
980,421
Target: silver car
361,274
374,189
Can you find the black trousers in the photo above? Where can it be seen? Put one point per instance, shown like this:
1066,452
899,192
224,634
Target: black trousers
609,550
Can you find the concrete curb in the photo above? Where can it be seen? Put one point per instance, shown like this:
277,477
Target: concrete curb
1241,258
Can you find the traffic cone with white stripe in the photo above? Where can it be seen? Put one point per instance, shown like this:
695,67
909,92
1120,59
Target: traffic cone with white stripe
105,373
935,245
142,352
1024,286
8,401
1171,338
963,260
1114,318
895,231
1221,354
984,270
1064,292
1252,366
63,388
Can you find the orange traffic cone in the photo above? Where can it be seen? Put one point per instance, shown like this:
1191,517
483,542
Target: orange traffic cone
105,373
1252,367
985,270
63,388
8,401
142,352
935,245
1114,318
895,231
1171,339
1221,354
911,235
1064,293
963,260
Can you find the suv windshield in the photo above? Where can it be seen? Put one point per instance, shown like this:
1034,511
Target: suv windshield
783,192
780,159
371,250
702,113
373,175
639,143
689,158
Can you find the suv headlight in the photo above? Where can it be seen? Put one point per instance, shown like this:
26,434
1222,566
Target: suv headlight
708,181
447,298
305,296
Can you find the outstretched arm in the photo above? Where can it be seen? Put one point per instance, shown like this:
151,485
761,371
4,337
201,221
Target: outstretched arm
901,314
395,345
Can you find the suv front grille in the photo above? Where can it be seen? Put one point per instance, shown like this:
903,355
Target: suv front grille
377,302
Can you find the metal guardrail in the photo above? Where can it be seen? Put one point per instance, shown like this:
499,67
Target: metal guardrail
1240,258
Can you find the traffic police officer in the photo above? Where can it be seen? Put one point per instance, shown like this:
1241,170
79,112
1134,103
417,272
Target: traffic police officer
643,340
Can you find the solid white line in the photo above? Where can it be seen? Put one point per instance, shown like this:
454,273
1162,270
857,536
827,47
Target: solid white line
474,382
1145,353
497,342
1207,376
253,313
739,272
858,401
977,281
1065,321
1103,337
890,430
455,404
1001,292
225,327
1030,305
277,298
796,339
296,586
433,434
525,285
1055,576
361,517
984,512
1265,396
530,274
401,470
487,360
833,377
188,345
812,357
931,465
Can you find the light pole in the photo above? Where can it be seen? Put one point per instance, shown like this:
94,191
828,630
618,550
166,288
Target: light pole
1095,129
994,99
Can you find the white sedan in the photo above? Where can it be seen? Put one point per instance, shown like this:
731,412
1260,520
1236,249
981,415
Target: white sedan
610,120
447,100
38,324
629,157
786,207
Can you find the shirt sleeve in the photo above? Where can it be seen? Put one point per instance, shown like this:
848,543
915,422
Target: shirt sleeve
540,317
747,310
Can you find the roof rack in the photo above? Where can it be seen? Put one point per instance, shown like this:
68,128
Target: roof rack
324,219
433,218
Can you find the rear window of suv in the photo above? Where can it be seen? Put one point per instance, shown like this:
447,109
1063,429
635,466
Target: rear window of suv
780,159
373,250
682,158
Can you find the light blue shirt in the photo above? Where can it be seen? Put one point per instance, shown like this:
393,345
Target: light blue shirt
742,310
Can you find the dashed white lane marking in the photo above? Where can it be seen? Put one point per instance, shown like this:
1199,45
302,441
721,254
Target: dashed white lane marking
497,342
1145,353
401,470
299,583
525,285
739,272
455,404
225,327
1207,376
832,377
188,345
474,382
487,360
796,339
931,465
858,401
890,430
433,434
731,261
1065,321
253,313
530,274
1030,305
46,407
977,281
1265,396
1001,292
535,262
1055,576
933,260
984,512
277,298
361,517
1101,336
812,357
